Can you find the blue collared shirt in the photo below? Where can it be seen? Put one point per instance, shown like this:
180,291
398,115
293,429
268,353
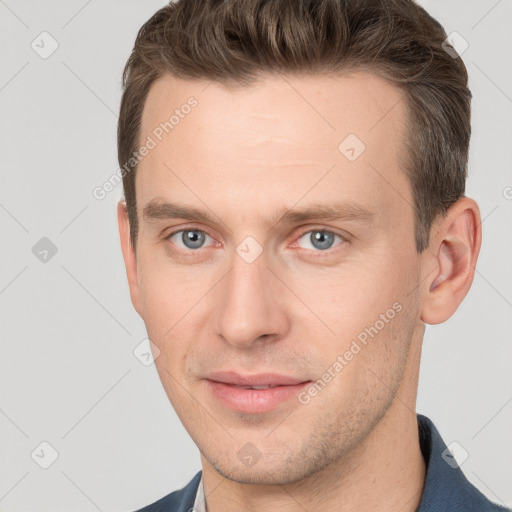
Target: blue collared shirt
446,488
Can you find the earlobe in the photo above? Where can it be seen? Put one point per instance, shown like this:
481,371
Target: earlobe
450,261
128,255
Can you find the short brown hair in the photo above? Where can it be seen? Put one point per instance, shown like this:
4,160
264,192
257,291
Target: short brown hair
239,41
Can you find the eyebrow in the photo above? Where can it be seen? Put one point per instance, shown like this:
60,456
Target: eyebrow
157,209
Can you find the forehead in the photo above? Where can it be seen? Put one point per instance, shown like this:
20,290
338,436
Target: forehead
328,104
280,139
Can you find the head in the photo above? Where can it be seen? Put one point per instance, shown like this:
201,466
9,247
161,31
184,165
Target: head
298,208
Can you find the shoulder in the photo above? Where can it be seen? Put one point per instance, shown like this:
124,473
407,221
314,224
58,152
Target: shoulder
177,501
446,487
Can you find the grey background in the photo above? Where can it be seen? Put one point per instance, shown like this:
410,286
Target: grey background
68,373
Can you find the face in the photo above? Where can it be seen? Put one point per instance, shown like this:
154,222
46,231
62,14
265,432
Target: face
276,236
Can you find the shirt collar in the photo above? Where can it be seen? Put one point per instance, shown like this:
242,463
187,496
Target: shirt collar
200,503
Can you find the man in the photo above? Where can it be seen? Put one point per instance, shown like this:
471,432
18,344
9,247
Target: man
294,214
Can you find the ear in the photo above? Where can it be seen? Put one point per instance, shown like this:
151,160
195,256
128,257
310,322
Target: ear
450,260
130,261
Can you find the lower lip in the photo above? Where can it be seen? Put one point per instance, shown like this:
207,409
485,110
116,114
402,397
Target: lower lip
254,401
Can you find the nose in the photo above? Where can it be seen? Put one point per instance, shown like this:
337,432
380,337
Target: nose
251,304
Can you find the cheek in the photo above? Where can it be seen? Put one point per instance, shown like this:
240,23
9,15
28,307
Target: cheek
351,299
173,310
159,305
366,317
166,293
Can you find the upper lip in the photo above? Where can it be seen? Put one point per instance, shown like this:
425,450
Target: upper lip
260,379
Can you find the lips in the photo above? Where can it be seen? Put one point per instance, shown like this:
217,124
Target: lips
260,380
253,387
254,394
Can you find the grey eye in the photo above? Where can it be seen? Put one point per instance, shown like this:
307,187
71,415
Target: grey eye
320,239
189,238
193,239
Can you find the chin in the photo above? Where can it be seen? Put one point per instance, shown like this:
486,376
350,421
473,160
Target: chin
267,471
260,476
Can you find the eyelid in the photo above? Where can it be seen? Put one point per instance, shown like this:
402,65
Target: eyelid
186,228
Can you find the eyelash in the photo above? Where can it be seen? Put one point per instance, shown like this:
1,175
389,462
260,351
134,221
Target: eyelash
319,254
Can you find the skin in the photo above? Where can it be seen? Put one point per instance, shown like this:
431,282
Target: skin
243,155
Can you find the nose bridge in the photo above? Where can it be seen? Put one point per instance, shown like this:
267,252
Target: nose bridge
247,309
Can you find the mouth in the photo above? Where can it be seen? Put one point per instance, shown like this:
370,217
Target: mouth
254,387
254,394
